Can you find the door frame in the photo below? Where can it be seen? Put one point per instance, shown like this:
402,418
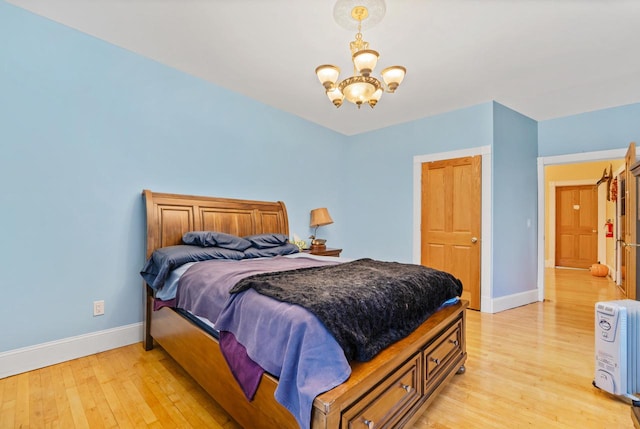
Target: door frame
486,271
556,160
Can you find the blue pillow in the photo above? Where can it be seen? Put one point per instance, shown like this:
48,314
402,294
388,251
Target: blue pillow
218,239
286,249
163,260
263,241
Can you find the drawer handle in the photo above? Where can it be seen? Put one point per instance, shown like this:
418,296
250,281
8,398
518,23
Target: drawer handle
369,423
435,360
406,387
454,342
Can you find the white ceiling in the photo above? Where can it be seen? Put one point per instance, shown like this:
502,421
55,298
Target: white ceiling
542,58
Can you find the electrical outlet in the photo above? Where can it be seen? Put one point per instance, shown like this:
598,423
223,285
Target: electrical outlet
98,308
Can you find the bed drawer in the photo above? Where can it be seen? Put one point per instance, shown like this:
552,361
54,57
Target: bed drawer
439,355
385,405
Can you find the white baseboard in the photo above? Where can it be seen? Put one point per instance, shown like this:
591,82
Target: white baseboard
29,358
513,301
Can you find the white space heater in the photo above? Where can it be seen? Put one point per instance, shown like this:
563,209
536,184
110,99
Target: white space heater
618,347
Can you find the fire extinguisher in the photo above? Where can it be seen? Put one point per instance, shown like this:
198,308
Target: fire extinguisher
608,227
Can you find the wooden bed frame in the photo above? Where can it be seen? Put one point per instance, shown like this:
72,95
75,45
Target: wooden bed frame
391,390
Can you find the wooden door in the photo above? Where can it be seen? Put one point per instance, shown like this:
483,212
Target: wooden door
576,226
629,212
450,221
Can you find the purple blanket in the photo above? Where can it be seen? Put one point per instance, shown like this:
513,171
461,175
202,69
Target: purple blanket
285,340
290,343
204,288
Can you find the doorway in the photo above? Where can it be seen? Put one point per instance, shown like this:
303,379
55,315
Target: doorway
546,204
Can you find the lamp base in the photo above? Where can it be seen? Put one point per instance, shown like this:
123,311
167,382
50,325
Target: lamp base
317,247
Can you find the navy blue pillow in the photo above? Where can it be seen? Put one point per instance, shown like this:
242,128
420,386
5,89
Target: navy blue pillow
163,260
264,241
285,249
218,239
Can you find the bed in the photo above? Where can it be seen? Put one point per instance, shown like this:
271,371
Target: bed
390,390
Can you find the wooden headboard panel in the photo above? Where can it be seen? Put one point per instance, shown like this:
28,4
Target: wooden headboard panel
169,216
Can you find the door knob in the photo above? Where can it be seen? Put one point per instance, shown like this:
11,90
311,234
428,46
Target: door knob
474,239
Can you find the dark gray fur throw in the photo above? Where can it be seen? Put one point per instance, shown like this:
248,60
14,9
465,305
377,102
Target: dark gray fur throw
365,304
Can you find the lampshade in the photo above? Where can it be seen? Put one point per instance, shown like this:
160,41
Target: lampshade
327,75
393,76
320,217
336,96
365,61
375,97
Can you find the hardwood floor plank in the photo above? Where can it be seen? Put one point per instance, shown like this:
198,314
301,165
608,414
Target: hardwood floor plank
160,391
49,408
115,405
35,399
77,408
104,414
63,407
85,379
183,386
22,398
8,405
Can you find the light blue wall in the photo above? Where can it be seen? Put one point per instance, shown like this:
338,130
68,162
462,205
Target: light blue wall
84,127
379,179
605,129
514,212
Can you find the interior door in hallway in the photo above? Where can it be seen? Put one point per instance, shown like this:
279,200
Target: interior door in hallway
576,226
451,221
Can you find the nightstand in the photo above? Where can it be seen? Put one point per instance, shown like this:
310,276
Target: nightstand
326,252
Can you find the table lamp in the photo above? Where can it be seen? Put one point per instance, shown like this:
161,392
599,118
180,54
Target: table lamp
319,217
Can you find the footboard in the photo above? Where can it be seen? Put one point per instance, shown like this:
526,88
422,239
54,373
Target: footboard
394,388
391,390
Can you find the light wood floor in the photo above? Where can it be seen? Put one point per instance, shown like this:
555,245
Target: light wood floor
530,367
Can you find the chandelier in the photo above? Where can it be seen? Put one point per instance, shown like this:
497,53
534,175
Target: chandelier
362,87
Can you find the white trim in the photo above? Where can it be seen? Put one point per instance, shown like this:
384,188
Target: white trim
486,273
41,355
554,160
584,157
515,300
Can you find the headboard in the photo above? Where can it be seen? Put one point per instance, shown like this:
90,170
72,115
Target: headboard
169,216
